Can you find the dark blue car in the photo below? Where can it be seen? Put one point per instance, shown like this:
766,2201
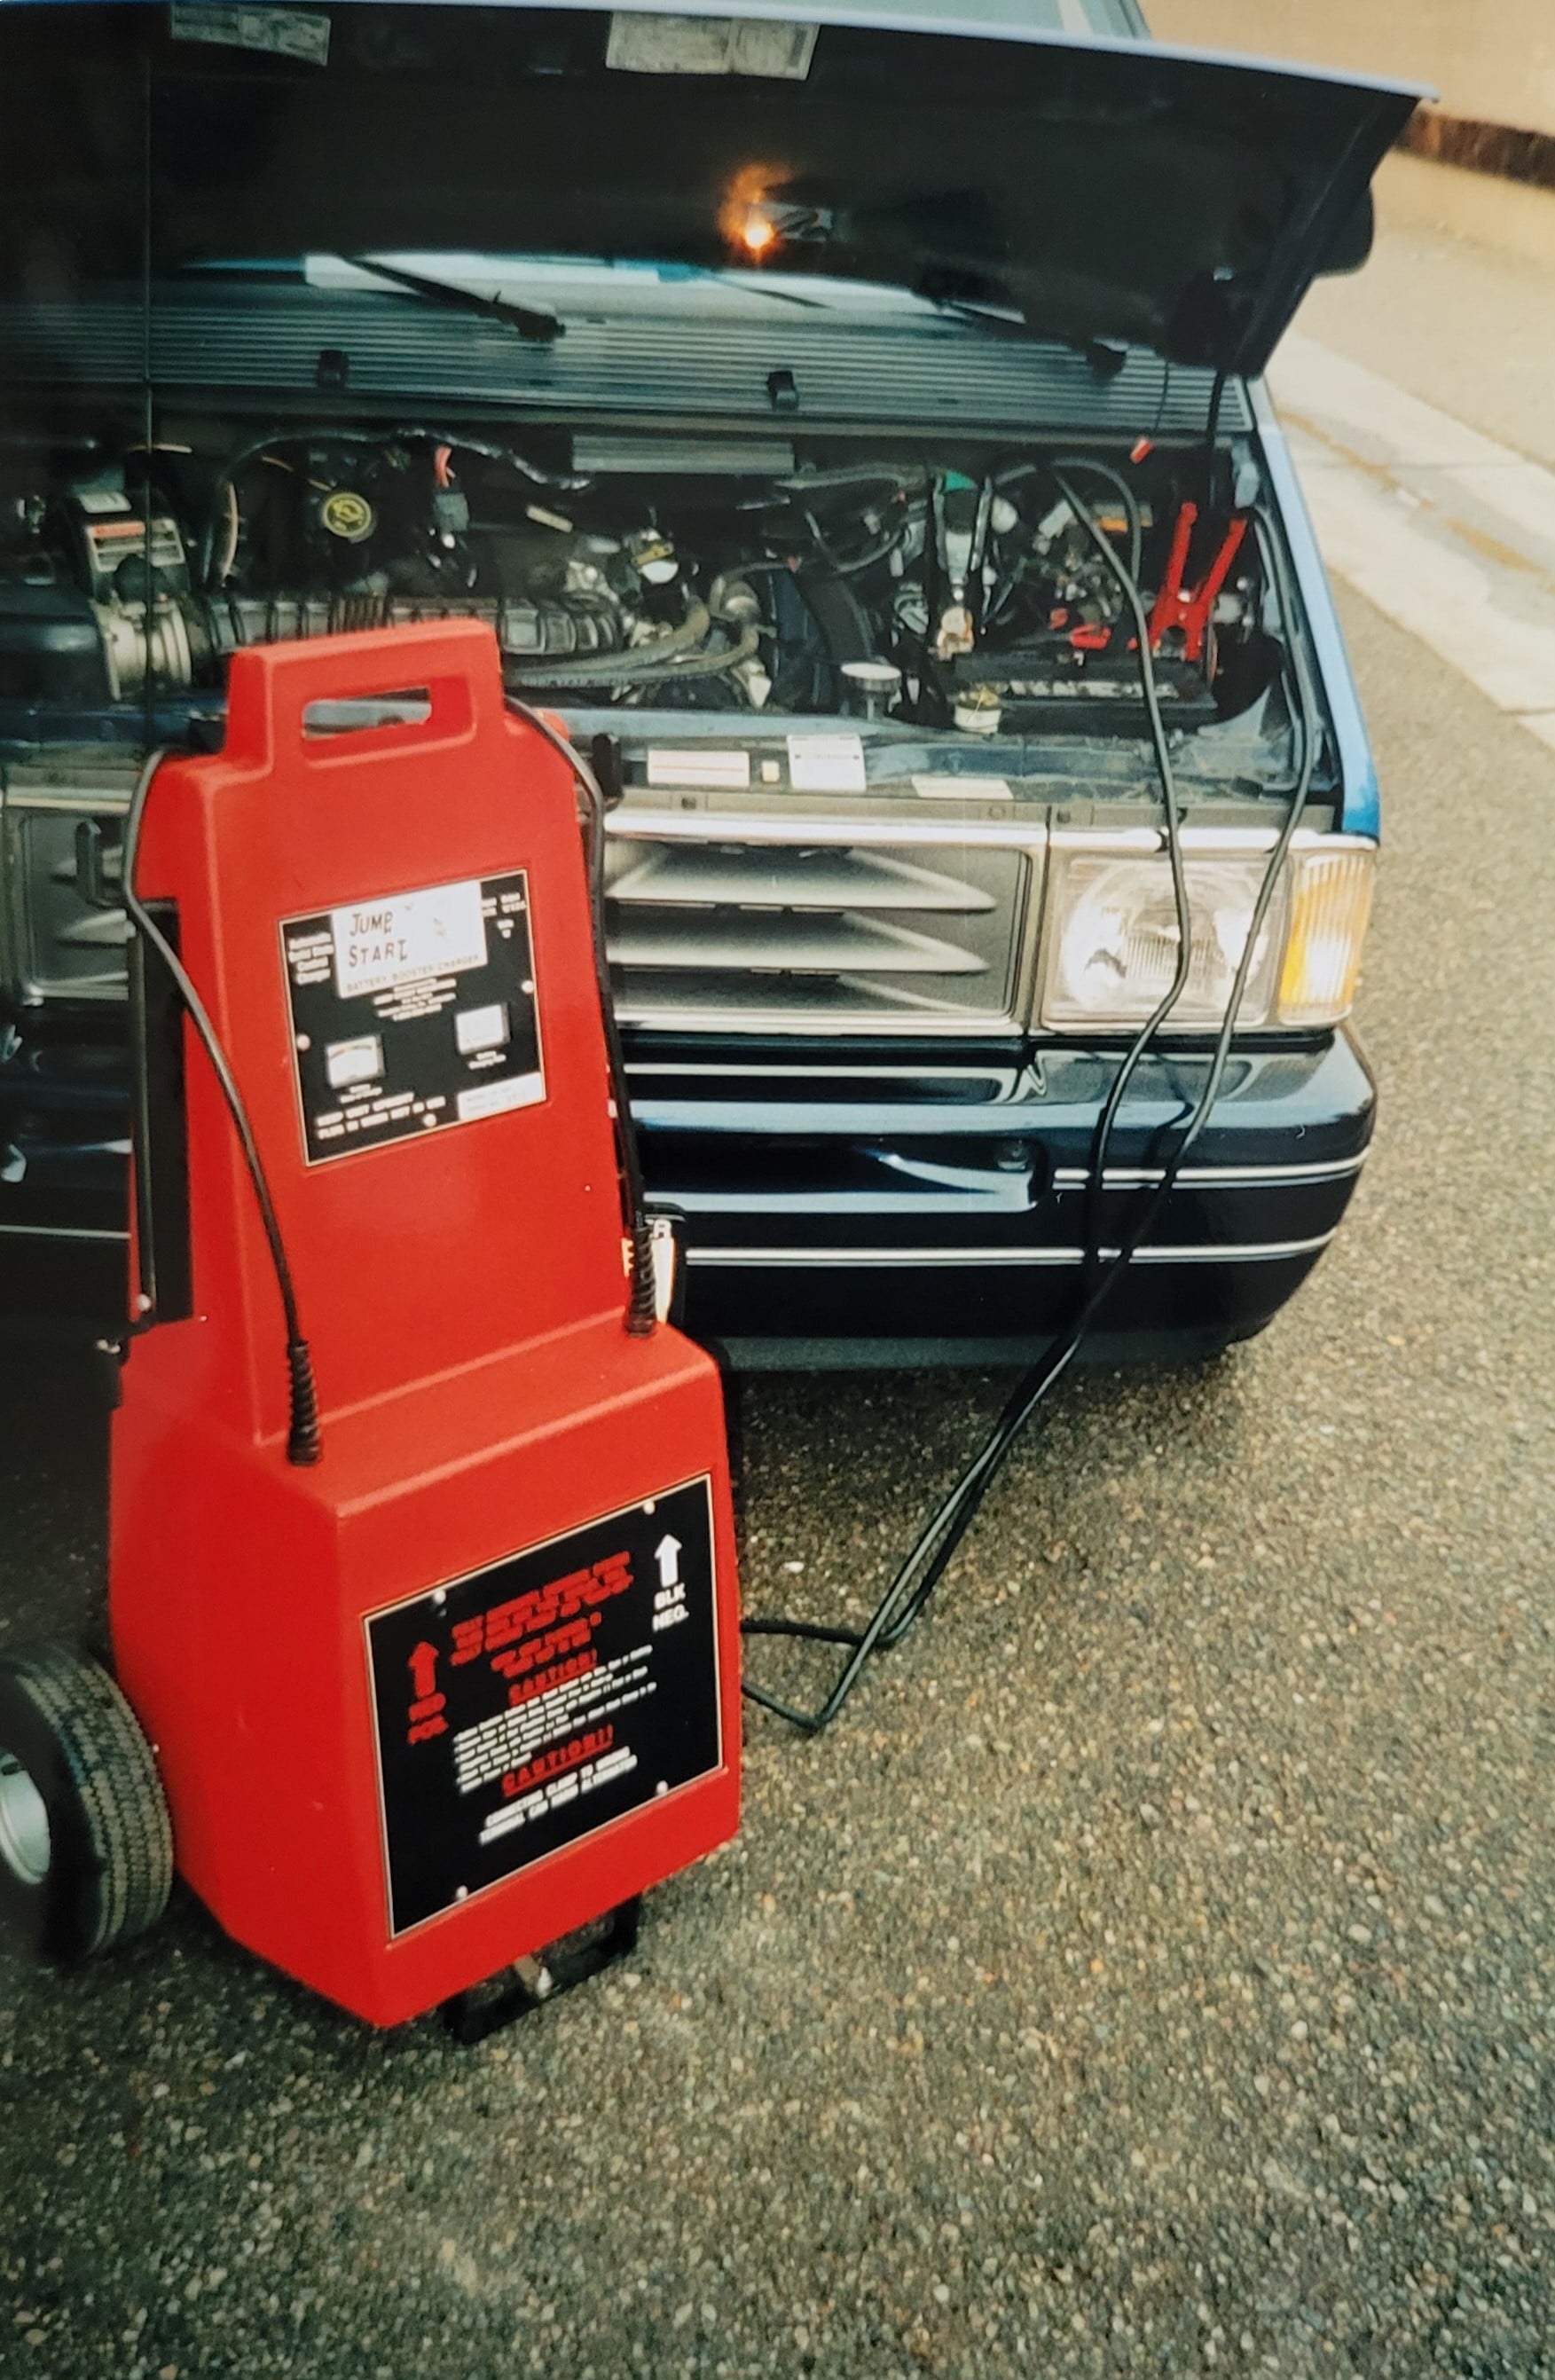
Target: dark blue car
799,402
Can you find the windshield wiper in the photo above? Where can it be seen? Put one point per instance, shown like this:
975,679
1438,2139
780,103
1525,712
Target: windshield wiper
1105,356
530,321
1004,322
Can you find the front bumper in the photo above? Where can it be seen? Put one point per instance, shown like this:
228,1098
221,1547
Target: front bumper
63,1182
843,1213
842,1208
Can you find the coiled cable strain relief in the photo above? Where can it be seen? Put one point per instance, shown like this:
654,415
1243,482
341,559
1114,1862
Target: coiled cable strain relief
642,1311
302,1440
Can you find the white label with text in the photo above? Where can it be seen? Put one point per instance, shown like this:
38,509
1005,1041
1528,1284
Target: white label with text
382,943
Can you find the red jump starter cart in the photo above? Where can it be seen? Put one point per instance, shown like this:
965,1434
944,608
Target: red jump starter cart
469,1682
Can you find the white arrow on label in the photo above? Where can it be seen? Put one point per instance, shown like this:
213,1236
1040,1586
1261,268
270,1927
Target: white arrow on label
667,1553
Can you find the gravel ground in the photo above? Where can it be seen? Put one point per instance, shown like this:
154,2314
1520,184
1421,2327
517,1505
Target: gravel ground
1152,1972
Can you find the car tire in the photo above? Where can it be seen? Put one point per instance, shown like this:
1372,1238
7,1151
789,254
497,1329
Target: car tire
86,1849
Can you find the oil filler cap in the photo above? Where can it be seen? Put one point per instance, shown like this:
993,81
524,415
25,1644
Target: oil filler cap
348,516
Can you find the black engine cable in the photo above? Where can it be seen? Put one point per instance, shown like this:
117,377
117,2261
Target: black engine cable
905,1599
1127,497
1100,469
641,1304
303,1441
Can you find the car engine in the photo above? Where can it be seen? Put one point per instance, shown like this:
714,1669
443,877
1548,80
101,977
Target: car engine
958,592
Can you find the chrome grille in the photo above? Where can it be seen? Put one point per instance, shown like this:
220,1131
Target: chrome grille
854,928
714,923
61,865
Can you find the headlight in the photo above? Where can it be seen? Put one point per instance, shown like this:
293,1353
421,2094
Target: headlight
1109,942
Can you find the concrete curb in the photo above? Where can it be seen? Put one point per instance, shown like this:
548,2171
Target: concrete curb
1501,151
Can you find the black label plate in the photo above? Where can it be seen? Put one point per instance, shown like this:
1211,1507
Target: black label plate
411,1012
526,1705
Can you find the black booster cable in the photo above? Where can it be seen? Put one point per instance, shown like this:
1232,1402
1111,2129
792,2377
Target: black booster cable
304,1441
640,1303
906,1598
304,1444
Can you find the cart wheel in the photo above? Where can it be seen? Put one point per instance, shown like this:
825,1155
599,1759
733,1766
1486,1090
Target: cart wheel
86,1851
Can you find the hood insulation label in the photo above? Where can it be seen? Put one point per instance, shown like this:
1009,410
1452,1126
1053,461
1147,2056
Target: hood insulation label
710,45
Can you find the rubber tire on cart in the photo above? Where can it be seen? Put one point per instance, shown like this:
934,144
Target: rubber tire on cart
86,1850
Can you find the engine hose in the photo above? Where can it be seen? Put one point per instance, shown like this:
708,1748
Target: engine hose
745,649
855,475
695,665
641,662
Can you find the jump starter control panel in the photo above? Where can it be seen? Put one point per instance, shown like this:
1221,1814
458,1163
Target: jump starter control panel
411,1012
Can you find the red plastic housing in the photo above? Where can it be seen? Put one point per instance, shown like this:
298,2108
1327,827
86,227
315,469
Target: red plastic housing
463,1293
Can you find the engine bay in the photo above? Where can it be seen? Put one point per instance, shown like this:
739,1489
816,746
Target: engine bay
955,589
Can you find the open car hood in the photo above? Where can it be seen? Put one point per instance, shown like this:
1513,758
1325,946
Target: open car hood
1097,191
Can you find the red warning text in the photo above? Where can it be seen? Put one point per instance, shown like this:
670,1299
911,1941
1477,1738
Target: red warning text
541,1608
546,1764
519,1660
545,1681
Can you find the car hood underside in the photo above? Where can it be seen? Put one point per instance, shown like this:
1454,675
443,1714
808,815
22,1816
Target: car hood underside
1097,192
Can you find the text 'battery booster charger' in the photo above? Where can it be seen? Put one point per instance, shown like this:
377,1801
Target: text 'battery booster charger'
469,1683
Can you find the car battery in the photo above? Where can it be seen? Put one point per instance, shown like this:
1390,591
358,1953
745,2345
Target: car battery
469,1682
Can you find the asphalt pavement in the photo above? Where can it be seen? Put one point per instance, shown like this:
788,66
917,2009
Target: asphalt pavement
1152,1972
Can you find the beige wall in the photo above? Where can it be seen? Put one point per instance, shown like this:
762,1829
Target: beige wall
1488,58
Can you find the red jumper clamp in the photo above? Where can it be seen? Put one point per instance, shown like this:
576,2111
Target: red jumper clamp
1175,607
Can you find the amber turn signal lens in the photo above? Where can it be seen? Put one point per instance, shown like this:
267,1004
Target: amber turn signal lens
1331,901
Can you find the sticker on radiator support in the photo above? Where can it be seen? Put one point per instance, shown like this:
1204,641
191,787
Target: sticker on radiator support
826,764
280,33
728,772
523,1707
708,45
411,1012
962,789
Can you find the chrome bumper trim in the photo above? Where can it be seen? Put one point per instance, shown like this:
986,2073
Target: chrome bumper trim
1234,1252
1212,1177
